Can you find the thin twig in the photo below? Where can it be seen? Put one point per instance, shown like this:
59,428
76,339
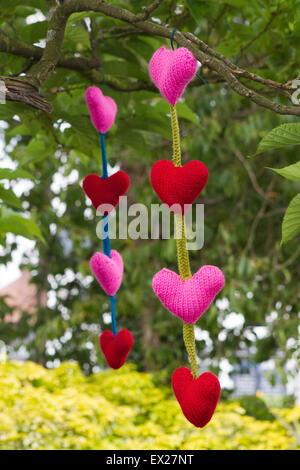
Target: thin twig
243,49
251,174
257,219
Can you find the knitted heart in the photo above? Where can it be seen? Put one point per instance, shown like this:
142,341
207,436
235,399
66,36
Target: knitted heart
197,398
171,71
106,190
108,271
188,299
102,109
178,185
116,349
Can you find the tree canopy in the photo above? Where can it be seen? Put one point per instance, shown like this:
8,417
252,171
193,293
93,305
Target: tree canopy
249,54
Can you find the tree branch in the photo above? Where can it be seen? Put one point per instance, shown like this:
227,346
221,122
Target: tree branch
251,174
51,55
222,67
148,10
243,49
18,90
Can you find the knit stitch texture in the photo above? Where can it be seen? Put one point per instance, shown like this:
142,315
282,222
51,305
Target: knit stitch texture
106,190
171,71
188,299
103,109
178,186
198,398
189,341
116,349
108,271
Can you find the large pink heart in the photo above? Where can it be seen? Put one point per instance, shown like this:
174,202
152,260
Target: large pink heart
108,271
102,109
171,71
188,299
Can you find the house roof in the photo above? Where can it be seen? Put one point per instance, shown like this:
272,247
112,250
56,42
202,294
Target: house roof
22,295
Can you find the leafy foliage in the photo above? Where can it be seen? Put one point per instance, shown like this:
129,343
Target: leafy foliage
62,409
280,137
242,214
291,172
283,136
291,220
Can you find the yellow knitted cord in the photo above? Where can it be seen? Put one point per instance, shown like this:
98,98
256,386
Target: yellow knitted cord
189,341
176,137
182,253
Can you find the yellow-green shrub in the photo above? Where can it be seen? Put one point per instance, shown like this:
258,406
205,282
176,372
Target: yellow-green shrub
63,409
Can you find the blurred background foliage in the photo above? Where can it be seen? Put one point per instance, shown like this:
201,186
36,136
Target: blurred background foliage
124,409
244,206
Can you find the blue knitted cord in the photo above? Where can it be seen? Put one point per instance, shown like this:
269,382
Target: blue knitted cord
105,232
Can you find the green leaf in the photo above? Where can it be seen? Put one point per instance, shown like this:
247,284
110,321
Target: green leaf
182,109
20,226
291,220
198,9
291,172
122,68
20,129
8,196
279,137
185,112
9,109
8,174
234,3
34,32
134,140
75,153
76,17
140,47
78,35
38,148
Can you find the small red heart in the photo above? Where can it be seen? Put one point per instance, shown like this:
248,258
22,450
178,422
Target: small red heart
116,348
197,398
106,190
178,185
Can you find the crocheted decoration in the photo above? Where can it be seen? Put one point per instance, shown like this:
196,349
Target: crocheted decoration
188,299
102,109
108,270
197,398
116,348
184,295
106,190
178,186
171,71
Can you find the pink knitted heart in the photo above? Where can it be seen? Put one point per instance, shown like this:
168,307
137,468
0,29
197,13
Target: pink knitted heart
188,299
102,109
108,271
171,71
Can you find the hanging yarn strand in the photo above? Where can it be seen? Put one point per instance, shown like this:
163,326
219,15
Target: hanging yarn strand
106,239
182,252
106,190
176,137
185,295
189,341
103,155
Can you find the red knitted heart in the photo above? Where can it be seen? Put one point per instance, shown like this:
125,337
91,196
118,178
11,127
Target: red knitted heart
198,398
106,190
178,185
116,349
